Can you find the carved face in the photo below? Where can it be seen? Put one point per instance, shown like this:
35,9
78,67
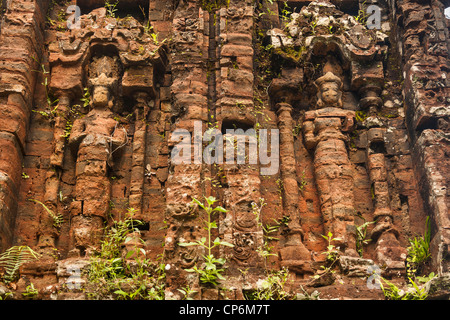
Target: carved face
101,97
330,94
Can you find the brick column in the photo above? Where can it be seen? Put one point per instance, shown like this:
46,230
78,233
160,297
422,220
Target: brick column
425,48
21,45
294,255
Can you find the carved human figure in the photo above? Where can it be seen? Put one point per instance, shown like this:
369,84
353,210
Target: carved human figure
325,133
95,138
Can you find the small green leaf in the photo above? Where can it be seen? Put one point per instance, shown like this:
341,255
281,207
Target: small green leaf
227,244
199,203
221,209
116,260
128,239
121,292
187,244
210,200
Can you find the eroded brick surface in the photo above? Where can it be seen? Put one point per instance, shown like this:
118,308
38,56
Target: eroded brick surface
90,118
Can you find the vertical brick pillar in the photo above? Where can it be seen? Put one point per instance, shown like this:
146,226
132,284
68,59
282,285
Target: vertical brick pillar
294,255
20,46
185,181
425,49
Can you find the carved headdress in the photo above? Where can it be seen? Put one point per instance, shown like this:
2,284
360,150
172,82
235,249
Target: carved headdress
329,77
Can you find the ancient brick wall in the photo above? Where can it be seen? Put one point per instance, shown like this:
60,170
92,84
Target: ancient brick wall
96,99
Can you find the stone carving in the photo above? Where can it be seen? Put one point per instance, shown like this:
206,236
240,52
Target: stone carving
138,166
294,255
390,166
95,139
240,190
329,91
325,132
389,251
107,57
244,247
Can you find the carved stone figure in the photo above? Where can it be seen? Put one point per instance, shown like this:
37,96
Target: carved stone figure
330,94
95,138
324,132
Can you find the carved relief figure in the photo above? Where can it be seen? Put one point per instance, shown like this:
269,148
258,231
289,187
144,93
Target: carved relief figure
324,132
94,138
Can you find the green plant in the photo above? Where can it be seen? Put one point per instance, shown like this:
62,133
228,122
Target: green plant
393,292
119,234
362,14
360,116
265,251
113,275
307,296
141,281
212,269
30,291
332,256
361,236
280,186
187,292
111,8
6,296
86,97
297,130
52,103
285,13
418,251
147,27
13,258
57,217
213,5
332,253
155,38
313,26
425,279
67,129
303,182
272,287
61,196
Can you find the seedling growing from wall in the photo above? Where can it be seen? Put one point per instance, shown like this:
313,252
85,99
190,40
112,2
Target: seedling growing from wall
212,269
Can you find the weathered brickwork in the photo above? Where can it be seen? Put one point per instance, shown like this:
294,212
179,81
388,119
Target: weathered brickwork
96,100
